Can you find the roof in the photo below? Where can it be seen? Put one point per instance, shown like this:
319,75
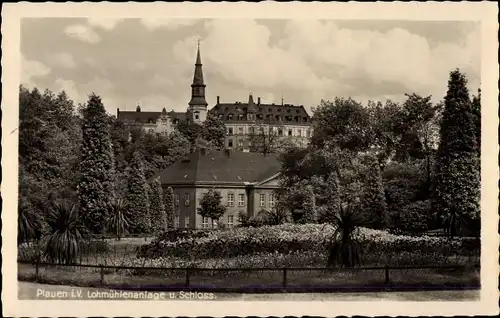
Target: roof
220,167
146,117
267,113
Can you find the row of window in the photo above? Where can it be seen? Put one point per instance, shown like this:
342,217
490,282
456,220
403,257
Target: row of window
270,110
251,130
207,222
230,199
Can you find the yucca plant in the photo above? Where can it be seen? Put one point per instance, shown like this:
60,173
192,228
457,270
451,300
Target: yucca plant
65,233
118,222
344,250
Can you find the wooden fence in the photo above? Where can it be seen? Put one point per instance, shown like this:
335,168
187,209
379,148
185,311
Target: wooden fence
258,284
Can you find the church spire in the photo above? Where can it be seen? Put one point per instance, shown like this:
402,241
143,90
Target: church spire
198,104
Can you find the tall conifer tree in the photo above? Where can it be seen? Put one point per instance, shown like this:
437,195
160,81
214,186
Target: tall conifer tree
95,186
457,184
137,196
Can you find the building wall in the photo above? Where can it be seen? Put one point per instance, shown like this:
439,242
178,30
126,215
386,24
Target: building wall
183,210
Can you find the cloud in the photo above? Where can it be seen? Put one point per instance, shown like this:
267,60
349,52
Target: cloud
83,33
104,23
30,69
395,56
171,24
63,59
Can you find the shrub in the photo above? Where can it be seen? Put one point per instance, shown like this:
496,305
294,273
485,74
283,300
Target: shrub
287,238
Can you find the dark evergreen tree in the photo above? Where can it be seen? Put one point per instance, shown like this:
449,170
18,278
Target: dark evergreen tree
137,196
95,186
373,199
457,181
157,208
169,208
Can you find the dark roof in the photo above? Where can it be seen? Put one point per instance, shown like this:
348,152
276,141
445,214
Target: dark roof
267,113
145,117
217,167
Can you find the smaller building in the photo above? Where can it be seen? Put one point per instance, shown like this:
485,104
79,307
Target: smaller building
245,180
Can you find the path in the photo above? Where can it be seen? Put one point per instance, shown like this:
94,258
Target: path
28,290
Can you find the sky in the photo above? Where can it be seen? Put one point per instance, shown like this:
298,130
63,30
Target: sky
151,61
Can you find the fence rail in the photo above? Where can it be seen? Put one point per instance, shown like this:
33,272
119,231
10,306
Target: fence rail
281,278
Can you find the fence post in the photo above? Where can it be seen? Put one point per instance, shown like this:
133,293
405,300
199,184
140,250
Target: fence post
102,274
284,277
387,274
37,266
187,276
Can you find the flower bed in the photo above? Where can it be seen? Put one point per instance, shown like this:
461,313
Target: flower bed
290,238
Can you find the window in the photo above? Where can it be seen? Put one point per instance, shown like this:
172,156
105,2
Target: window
205,222
262,200
230,116
230,221
280,132
289,132
240,117
309,133
299,132
240,130
230,130
186,221
252,130
177,199
240,142
196,115
230,199
230,143
271,200
177,222
241,199
215,223
186,199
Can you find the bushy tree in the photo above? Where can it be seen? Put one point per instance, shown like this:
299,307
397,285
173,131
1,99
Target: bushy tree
214,131
157,210
169,208
457,181
265,139
374,204
95,186
211,205
137,196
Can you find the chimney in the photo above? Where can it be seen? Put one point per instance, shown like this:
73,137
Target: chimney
217,99
258,100
118,111
228,152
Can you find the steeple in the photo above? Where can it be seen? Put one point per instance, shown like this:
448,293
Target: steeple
198,104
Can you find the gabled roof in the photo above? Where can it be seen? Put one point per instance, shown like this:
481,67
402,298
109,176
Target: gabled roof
218,167
145,117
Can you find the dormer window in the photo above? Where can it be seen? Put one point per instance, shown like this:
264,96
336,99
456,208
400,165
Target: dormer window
270,110
279,109
230,116
278,117
305,119
150,121
297,111
297,118
240,117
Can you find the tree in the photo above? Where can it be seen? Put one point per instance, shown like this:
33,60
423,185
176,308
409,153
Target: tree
211,205
190,130
65,233
169,208
374,203
158,217
457,181
95,186
265,138
214,131
137,196
118,221
344,123
476,110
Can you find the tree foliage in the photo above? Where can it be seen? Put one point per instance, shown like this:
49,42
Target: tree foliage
373,200
158,216
137,196
457,181
95,186
214,131
169,208
211,205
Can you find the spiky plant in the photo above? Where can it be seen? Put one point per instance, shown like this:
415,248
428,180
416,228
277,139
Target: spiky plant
118,222
344,250
65,233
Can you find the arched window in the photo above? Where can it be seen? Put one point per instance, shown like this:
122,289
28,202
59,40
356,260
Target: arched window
196,115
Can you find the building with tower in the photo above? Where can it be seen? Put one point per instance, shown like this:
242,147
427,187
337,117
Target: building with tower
242,119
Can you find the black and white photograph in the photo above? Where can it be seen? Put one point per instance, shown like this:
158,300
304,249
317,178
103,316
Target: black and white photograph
190,159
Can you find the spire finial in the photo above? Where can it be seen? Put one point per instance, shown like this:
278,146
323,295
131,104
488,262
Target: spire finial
281,98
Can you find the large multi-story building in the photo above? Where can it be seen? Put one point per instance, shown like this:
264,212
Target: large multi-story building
242,120
246,182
